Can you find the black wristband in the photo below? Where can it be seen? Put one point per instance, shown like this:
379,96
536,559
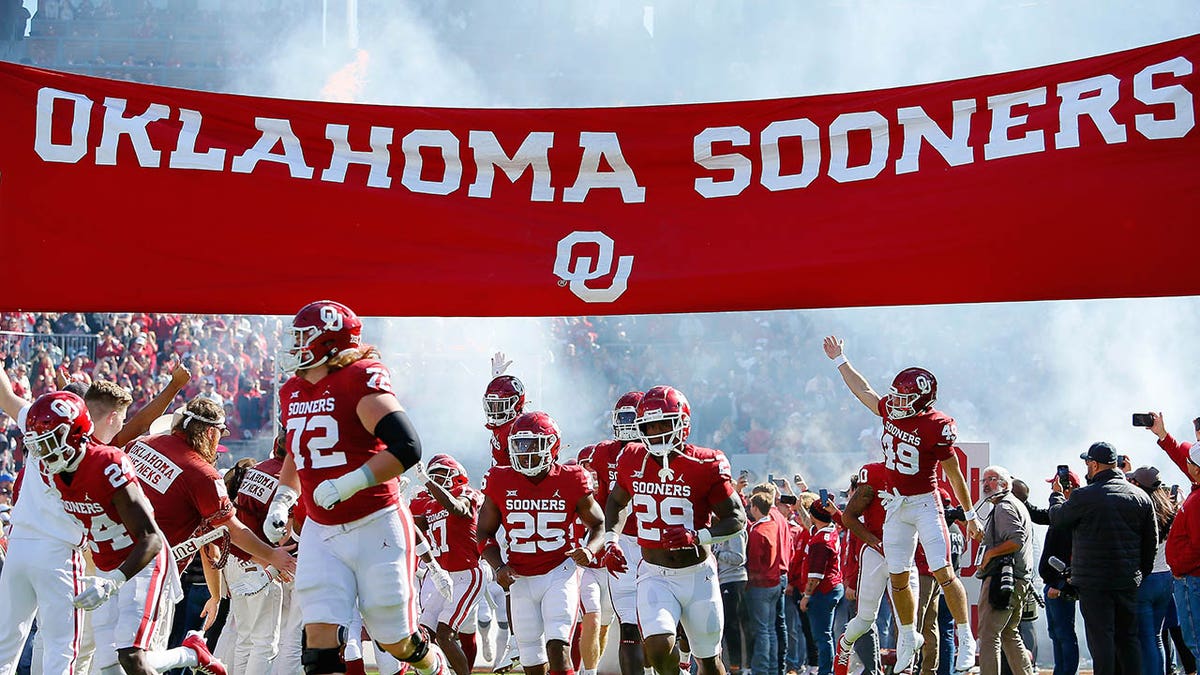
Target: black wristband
401,438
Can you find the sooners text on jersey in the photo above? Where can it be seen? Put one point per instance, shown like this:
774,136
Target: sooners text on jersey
89,497
604,462
538,518
451,539
326,438
185,491
701,480
913,446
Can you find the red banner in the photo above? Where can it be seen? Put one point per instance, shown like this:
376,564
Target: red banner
1078,180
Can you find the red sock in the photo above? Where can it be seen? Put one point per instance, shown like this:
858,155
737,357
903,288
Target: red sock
355,667
467,640
576,650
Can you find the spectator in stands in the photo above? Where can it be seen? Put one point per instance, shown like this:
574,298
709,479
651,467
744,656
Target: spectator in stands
765,567
1154,595
6,488
823,590
732,576
1183,555
1007,561
1176,450
1113,541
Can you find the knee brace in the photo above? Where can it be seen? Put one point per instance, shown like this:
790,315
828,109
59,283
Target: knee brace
420,646
319,661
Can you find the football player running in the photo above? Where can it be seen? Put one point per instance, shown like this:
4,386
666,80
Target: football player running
537,500
447,513
675,488
916,440
136,585
348,439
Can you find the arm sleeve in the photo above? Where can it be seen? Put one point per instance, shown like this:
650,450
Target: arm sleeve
1065,512
1038,515
1177,451
819,561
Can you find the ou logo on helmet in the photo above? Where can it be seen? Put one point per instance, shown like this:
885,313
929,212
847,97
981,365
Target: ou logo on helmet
331,317
65,409
923,384
576,271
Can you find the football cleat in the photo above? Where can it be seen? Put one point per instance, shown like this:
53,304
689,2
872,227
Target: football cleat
906,651
205,661
964,659
841,659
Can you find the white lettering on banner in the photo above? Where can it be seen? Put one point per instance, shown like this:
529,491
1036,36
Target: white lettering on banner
578,271
1163,108
258,485
152,468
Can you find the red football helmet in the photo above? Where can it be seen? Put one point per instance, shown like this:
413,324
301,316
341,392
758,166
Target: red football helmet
533,443
450,474
57,430
624,416
320,330
585,455
503,400
913,392
664,403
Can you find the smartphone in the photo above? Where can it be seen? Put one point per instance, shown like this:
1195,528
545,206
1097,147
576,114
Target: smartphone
1064,476
1122,460
1174,493
800,479
1143,420
788,499
824,496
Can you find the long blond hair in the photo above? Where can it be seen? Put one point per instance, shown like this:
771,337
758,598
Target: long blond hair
348,356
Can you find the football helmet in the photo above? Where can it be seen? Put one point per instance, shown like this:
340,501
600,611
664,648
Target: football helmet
58,428
624,416
533,443
913,392
447,472
669,404
320,331
503,400
585,455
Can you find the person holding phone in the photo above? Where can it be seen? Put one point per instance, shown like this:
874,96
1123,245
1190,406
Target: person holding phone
1177,450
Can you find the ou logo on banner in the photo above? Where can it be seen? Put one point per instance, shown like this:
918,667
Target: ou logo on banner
577,271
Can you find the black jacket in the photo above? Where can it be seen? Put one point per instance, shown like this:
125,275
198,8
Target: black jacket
1057,545
1114,535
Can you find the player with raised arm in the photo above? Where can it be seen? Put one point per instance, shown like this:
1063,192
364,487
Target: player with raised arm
348,439
136,585
537,501
916,440
447,512
675,488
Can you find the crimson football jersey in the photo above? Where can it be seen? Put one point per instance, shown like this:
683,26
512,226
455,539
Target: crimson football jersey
254,497
89,497
913,446
326,439
538,518
701,480
500,456
451,539
875,474
604,462
185,491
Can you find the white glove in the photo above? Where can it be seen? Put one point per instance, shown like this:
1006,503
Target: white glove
499,365
250,583
339,489
441,580
422,474
99,588
275,524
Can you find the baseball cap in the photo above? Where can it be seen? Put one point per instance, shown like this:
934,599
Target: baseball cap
1194,454
818,511
1101,452
6,477
1146,476
1072,477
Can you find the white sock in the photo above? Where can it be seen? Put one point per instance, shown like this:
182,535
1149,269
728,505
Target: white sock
586,671
647,671
435,662
963,628
179,657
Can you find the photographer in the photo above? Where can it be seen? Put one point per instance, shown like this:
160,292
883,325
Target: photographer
1183,555
1059,593
1007,571
1113,541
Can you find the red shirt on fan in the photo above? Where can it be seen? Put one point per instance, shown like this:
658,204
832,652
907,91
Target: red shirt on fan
799,538
500,434
89,497
185,491
605,456
913,446
538,518
700,478
326,438
451,538
254,496
823,560
764,556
